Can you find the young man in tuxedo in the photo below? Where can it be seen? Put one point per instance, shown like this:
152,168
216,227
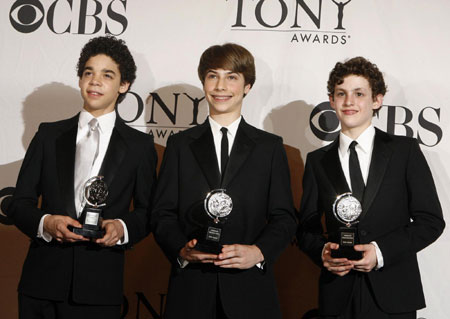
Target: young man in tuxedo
251,166
401,213
67,275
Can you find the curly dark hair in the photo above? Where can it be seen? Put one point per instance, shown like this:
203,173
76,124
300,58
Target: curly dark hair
357,66
117,50
229,56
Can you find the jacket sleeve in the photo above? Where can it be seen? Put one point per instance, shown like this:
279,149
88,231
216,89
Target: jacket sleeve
24,209
165,223
426,219
138,220
310,231
281,222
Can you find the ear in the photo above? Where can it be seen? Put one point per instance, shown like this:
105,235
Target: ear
247,89
377,102
123,88
331,99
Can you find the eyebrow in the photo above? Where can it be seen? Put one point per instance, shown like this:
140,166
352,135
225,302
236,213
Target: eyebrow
213,71
104,70
356,89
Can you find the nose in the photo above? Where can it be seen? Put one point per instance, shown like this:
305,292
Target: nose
348,100
95,79
220,84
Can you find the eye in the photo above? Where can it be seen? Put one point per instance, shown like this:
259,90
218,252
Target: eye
232,77
359,94
340,94
211,76
26,16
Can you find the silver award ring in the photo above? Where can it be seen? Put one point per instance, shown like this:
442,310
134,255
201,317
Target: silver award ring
218,204
347,209
95,191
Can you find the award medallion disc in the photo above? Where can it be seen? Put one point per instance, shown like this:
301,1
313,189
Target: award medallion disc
347,210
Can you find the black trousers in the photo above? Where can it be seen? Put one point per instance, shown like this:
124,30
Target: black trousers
34,308
218,307
363,304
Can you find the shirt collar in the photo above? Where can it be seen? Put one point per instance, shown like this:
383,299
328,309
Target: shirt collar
105,122
365,140
232,128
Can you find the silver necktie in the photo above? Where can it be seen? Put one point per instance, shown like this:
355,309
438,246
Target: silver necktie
86,153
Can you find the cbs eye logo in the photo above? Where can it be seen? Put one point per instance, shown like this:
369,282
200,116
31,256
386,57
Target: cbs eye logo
26,15
69,16
324,122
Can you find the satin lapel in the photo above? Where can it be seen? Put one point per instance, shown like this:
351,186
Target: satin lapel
242,147
381,155
332,166
65,164
115,153
205,153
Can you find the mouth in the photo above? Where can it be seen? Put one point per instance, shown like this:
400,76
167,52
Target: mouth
94,93
221,98
349,112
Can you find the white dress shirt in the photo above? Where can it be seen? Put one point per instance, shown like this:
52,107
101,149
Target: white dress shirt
217,135
106,125
364,150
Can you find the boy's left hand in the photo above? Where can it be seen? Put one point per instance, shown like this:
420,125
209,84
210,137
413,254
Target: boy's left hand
239,256
369,260
113,233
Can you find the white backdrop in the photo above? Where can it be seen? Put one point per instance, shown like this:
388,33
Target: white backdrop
295,43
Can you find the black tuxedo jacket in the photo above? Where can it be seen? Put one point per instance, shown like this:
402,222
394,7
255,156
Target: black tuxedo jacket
90,273
257,179
401,213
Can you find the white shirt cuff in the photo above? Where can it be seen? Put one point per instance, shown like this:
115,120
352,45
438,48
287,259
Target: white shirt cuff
125,234
380,260
41,233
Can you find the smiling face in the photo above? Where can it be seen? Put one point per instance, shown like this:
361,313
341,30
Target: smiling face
100,85
354,104
224,92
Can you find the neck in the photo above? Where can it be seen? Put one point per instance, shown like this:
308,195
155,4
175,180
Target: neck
225,119
355,132
97,113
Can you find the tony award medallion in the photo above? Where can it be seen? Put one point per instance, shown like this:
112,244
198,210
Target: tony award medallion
95,193
347,210
218,205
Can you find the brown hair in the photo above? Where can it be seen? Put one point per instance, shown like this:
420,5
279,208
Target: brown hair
229,56
361,67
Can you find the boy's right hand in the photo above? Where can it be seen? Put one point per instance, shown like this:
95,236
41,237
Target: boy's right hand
192,255
57,227
338,266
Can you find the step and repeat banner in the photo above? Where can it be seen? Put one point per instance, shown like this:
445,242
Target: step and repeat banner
295,44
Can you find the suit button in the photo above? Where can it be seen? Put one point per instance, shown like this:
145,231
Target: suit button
363,233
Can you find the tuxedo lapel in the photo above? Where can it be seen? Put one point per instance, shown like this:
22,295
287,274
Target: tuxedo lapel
333,169
381,155
242,147
205,153
115,153
65,162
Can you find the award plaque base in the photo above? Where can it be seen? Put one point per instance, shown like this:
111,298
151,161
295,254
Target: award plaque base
210,243
89,233
347,241
92,224
346,252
